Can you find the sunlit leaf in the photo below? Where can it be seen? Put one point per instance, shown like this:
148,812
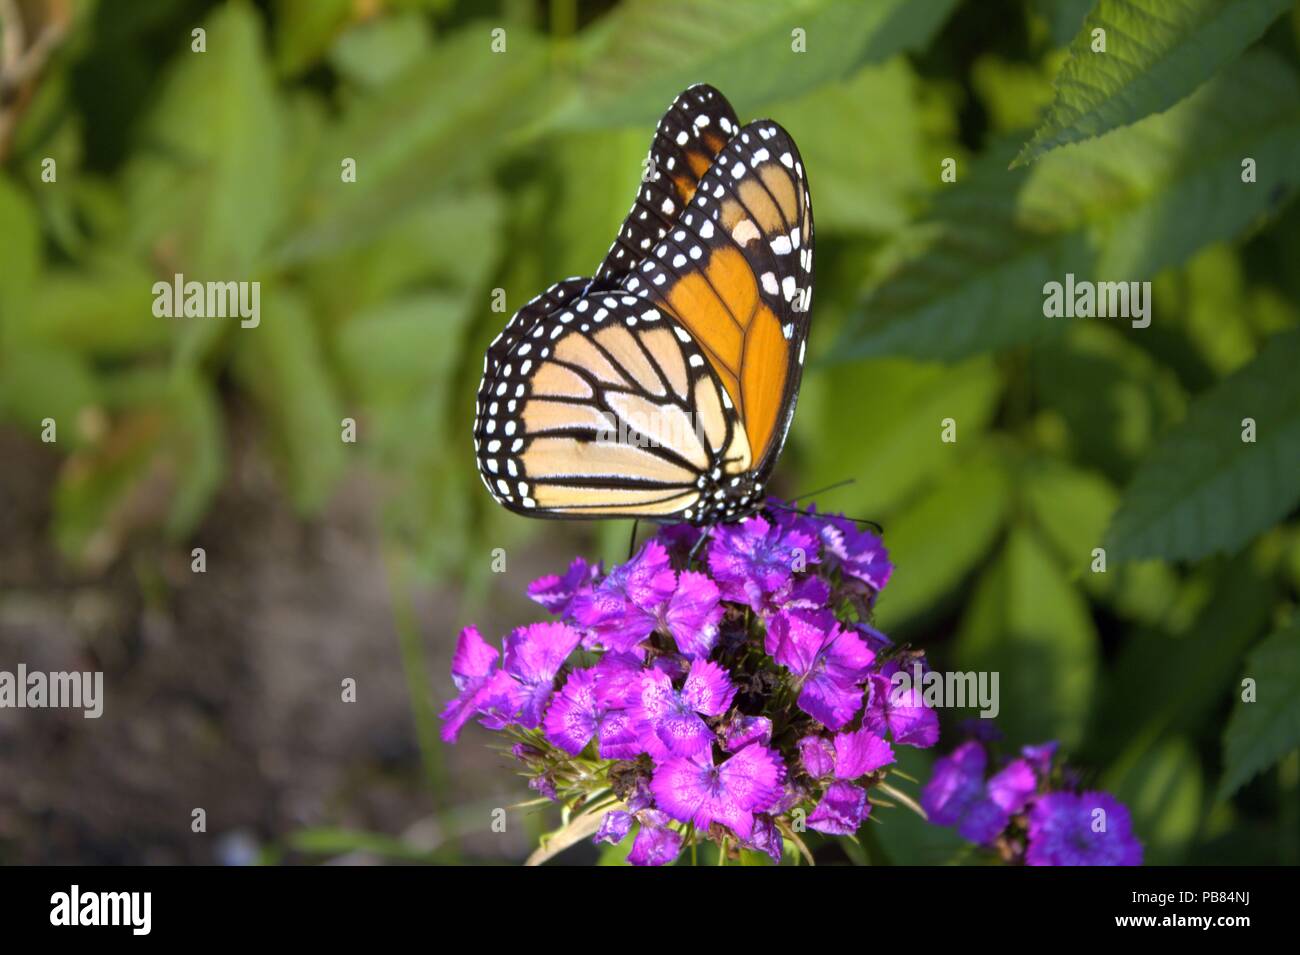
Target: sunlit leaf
645,52
1156,53
971,276
280,363
1262,731
898,409
936,541
1027,623
205,187
1204,488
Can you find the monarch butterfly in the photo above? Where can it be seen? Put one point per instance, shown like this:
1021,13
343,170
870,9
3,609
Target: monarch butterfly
664,386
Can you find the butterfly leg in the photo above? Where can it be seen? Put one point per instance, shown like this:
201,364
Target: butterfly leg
631,544
695,548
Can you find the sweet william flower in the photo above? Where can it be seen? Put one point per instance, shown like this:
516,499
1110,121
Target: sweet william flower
471,668
655,843
1090,828
727,694
830,662
900,714
754,559
556,593
692,613
694,790
588,707
955,795
533,656
668,721
623,609
841,810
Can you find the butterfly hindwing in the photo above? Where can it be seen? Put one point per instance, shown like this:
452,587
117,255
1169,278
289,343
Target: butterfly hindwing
736,271
698,125
607,408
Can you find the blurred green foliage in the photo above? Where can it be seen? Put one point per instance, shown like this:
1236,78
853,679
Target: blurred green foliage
479,170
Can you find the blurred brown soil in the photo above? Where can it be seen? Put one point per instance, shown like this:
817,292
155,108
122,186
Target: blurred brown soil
223,689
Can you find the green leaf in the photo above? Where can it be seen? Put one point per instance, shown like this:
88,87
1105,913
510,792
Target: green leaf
905,403
304,29
1204,489
1109,393
438,121
206,189
1165,795
1156,53
450,241
635,61
966,279
1175,678
1071,508
879,104
281,364
20,248
939,538
1152,194
48,382
1261,732
377,51
1028,624
970,277
102,312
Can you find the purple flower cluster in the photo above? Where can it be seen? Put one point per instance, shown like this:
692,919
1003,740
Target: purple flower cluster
740,698
1025,812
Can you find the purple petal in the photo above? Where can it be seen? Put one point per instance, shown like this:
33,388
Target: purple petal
694,790
841,810
574,715
1040,756
473,660
623,609
956,782
693,614
765,837
614,826
534,654
901,714
654,845
1090,828
794,638
556,593
1012,787
754,559
742,730
848,659
817,754
859,753
708,689
828,701
983,821
471,669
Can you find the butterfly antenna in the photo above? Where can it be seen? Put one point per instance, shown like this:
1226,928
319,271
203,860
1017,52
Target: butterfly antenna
857,520
823,490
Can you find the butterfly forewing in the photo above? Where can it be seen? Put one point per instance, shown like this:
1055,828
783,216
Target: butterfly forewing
698,124
736,272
